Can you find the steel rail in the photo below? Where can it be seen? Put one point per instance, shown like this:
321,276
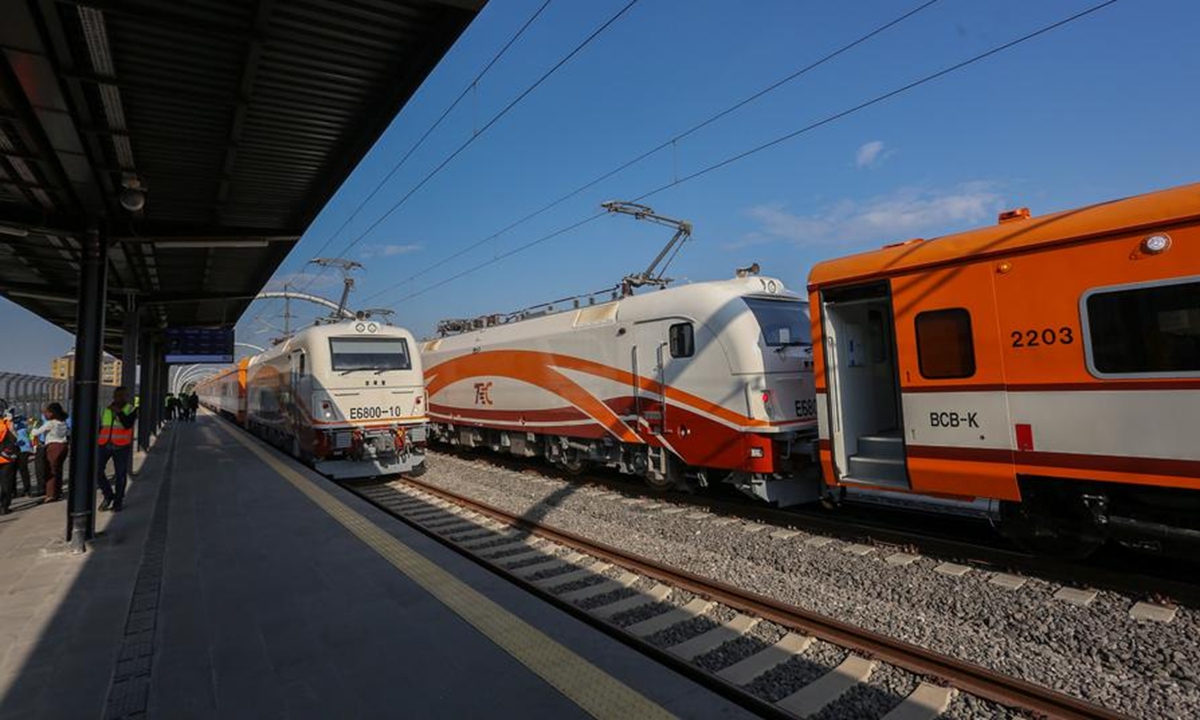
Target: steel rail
962,675
896,528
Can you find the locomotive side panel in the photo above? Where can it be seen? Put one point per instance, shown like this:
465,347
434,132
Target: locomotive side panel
1136,425
695,371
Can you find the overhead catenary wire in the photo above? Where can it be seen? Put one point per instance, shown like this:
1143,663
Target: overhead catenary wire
776,141
467,89
429,131
671,142
486,126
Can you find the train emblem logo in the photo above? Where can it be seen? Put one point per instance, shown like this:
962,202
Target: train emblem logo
483,393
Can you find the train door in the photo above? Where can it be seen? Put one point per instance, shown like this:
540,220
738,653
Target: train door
957,433
295,404
649,368
866,426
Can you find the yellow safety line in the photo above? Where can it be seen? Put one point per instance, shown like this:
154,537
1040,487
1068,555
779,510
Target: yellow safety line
595,691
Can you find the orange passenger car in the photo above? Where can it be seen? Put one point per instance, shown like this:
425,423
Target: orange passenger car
1044,372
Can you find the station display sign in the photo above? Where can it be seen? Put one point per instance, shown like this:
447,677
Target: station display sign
199,345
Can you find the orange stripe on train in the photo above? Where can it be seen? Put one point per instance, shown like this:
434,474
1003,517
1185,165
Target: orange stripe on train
538,368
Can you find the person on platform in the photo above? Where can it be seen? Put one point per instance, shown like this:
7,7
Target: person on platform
8,464
39,451
172,406
116,444
25,448
53,437
193,403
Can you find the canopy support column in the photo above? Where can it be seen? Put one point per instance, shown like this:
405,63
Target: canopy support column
85,411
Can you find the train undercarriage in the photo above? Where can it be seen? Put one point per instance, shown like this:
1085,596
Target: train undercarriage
1059,517
660,469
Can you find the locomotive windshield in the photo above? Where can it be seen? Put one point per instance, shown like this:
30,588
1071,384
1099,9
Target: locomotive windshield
783,322
365,353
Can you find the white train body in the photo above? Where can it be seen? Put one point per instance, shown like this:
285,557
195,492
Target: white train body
712,380
347,397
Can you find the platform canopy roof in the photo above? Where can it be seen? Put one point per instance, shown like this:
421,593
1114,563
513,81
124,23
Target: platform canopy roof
238,118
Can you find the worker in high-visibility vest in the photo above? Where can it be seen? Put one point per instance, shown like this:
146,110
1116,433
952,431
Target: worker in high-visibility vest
116,443
9,452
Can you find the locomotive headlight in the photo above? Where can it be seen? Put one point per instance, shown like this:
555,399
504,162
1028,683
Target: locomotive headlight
1154,244
372,327
359,327
323,407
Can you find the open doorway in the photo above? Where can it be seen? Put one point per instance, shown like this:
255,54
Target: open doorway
864,393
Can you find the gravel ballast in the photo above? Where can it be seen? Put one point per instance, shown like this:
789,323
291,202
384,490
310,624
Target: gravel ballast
783,680
1096,652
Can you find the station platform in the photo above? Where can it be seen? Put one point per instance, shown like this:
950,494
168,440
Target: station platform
238,583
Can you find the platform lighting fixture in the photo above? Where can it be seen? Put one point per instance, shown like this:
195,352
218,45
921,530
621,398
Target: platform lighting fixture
15,232
133,200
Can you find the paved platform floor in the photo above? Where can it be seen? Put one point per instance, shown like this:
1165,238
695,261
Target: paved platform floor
239,584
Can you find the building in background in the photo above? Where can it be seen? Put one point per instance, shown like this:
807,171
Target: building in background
63,368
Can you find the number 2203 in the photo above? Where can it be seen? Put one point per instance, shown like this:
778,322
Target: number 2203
1047,336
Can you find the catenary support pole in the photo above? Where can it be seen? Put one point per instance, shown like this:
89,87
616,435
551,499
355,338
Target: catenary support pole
85,411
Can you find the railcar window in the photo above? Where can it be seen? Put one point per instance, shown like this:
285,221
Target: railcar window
683,340
783,322
354,353
1145,330
945,348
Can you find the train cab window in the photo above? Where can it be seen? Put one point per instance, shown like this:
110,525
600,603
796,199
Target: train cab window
367,353
783,322
1144,330
945,348
682,339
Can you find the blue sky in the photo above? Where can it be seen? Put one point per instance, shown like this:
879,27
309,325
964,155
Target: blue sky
1100,109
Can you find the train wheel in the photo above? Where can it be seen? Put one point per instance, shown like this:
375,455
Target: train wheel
573,464
672,479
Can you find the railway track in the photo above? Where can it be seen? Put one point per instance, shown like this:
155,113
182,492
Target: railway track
1130,573
683,619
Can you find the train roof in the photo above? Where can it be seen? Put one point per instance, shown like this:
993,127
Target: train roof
313,333
1022,232
636,307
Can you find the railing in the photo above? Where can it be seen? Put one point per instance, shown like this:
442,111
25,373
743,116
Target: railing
28,394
